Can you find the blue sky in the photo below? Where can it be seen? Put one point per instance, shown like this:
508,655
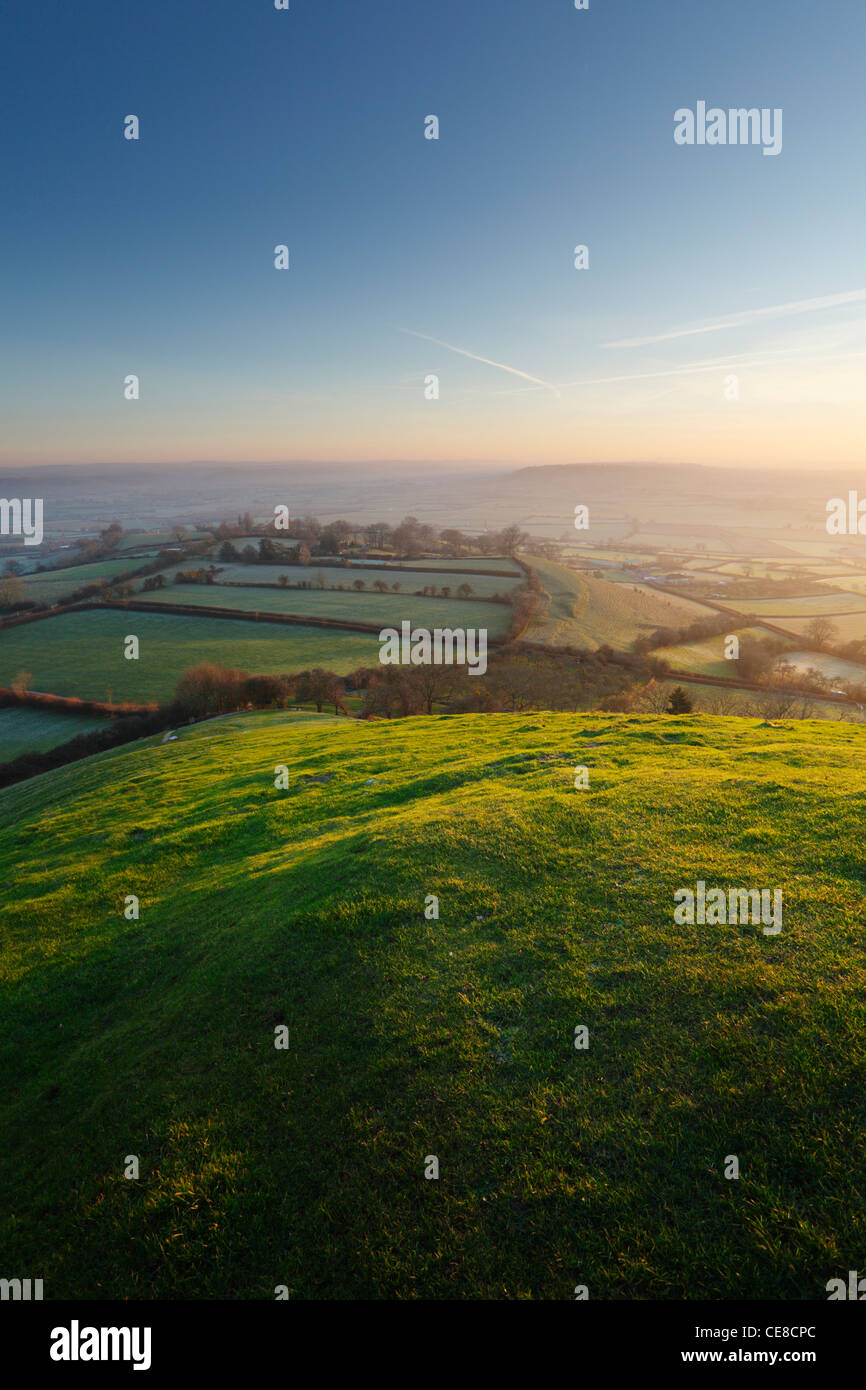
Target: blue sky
306,127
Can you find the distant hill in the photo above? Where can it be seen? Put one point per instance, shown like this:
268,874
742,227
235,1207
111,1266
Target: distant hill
411,1037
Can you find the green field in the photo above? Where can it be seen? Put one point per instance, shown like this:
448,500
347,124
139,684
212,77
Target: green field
158,538
587,612
495,564
369,607
55,585
452,1037
482,585
24,730
82,653
707,658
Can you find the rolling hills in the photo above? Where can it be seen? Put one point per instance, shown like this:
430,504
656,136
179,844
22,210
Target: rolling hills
412,1036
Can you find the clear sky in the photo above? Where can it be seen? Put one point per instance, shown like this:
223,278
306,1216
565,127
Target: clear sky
306,127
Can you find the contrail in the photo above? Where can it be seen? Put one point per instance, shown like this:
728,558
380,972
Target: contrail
486,360
796,306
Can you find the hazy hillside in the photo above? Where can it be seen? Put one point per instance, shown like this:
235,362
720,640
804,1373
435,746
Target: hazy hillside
582,611
453,1037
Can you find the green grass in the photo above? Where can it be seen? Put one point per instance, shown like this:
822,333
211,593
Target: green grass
483,585
24,730
368,607
82,653
707,658
58,584
454,1037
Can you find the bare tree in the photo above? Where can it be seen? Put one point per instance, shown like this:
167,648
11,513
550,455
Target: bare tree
820,633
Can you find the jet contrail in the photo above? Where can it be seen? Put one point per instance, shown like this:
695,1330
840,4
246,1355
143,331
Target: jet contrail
796,306
486,360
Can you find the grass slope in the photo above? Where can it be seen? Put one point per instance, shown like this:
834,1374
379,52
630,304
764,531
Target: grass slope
82,653
451,1037
25,730
589,613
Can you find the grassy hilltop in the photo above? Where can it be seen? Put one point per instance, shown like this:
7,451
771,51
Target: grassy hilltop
411,1037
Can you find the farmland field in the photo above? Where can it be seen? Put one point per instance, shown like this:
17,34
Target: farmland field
833,667
587,612
847,627
707,658
854,583
157,538
496,564
25,730
482,585
678,543
55,585
369,607
754,569
810,606
82,653
241,542
629,557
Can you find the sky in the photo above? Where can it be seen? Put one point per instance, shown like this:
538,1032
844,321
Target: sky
720,320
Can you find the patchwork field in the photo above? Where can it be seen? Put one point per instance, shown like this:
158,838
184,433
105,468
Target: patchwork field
37,731
588,612
406,582
809,606
613,556
82,653
55,585
453,1037
707,658
495,564
157,538
369,607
